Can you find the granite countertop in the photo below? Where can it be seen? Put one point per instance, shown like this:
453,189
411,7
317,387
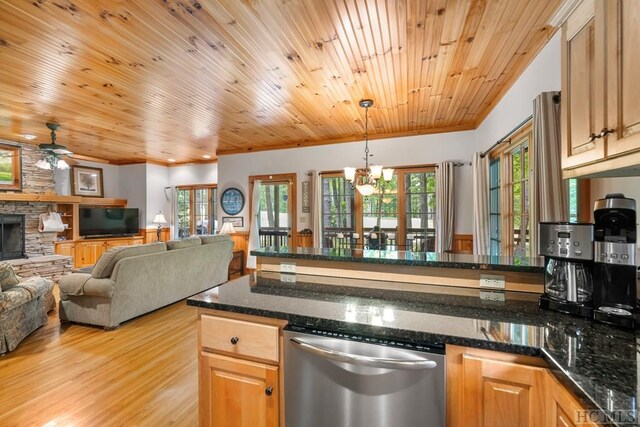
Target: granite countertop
599,363
424,259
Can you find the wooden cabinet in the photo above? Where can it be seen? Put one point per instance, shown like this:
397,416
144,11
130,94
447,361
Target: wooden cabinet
88,252
138,240
235,392
66,248
623,85
563,409
494,389
239,370
491,389
600,91
583,81
118,242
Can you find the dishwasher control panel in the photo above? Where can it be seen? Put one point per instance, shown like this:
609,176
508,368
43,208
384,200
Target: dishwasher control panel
430,347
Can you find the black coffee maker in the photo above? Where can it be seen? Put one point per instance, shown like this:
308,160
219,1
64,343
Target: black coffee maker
615,299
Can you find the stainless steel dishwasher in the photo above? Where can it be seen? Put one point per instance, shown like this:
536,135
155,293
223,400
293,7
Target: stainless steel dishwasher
335,379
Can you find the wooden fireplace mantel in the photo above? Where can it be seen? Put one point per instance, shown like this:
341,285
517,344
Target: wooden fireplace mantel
54,198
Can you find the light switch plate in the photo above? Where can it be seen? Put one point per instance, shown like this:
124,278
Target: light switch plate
288,267
492,281
492,296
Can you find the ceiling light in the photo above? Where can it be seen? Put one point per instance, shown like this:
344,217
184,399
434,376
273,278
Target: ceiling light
367,180
29,136
171,160
206,156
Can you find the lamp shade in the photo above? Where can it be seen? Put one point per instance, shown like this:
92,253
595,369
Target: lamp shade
227,228
159,219
349,173
387,174
365,189
376,171
62,165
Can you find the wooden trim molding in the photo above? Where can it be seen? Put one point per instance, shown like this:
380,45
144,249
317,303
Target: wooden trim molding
150,234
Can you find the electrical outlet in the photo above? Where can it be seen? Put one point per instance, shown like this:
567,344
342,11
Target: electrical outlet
491,281
492,296
288,278
288,267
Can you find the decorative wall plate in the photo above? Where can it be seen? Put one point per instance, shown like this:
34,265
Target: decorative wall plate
232,201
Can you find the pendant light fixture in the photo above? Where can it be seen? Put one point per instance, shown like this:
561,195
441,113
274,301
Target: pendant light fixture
53,152
366,180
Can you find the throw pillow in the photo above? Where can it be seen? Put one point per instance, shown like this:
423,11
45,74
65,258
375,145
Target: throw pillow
8,277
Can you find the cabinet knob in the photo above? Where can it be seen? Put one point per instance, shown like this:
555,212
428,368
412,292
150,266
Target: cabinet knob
234,340
268,391
592,137
605,131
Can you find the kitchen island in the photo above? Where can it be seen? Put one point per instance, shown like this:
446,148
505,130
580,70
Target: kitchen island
595,363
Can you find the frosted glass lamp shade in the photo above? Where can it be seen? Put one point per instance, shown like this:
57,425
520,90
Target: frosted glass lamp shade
227,228
365,189
350,174
62,165
43,164
376,171
387,174
159,219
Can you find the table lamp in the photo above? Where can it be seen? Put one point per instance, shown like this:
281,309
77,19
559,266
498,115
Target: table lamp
227,228
159,219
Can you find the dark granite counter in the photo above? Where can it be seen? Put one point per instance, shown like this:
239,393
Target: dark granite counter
599,363
423,259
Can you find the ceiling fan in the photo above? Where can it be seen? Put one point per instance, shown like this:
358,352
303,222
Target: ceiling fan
53,153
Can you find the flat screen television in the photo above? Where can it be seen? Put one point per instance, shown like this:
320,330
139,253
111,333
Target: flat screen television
98,222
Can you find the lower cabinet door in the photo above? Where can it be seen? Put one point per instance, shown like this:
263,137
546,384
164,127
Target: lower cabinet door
564,409
503,394
237,393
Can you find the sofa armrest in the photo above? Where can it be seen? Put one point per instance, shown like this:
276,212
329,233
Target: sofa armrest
78,284
36,285
99,287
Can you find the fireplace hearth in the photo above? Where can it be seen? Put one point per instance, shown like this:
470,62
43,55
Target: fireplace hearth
11,236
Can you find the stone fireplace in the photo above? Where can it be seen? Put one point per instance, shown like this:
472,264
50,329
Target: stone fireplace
11,236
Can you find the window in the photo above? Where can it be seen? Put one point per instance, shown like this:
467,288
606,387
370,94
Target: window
196,210
10,167
495,220
420,205
404,208
572,199
337,209
509,197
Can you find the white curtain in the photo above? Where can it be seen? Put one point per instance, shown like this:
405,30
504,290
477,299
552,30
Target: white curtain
254,236
548,202
444,206
480,204
316,208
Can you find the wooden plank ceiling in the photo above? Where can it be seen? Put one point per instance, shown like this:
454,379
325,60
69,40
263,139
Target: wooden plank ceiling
149,80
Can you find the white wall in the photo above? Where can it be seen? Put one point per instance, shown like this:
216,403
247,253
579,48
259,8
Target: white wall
206,173
110,178
133,187
234,170
158,200
542,75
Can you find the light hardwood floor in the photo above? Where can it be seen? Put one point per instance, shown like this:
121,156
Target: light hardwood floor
144,373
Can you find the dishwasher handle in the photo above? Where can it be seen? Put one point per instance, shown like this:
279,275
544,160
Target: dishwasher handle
358,359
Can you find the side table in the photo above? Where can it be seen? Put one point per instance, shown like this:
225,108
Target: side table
237,263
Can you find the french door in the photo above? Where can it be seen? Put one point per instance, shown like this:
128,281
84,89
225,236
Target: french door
276,217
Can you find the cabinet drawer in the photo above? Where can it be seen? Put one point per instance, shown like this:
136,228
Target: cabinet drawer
251,339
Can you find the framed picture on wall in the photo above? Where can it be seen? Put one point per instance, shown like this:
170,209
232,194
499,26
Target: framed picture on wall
236,221
86,181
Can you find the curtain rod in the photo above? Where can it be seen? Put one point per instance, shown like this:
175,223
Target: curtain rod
504,138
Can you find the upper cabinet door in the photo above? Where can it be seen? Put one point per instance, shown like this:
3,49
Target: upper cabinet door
623,84
583,83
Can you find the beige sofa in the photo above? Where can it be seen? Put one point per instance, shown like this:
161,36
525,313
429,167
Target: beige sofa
129,281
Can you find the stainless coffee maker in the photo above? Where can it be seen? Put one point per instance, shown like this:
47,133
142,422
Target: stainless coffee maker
615,299
568,267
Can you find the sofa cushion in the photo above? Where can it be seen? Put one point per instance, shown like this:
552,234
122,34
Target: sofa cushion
8,277
213,238
105,264
183,243
25,291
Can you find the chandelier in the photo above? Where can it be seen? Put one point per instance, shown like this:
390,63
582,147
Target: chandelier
366,180
53,152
